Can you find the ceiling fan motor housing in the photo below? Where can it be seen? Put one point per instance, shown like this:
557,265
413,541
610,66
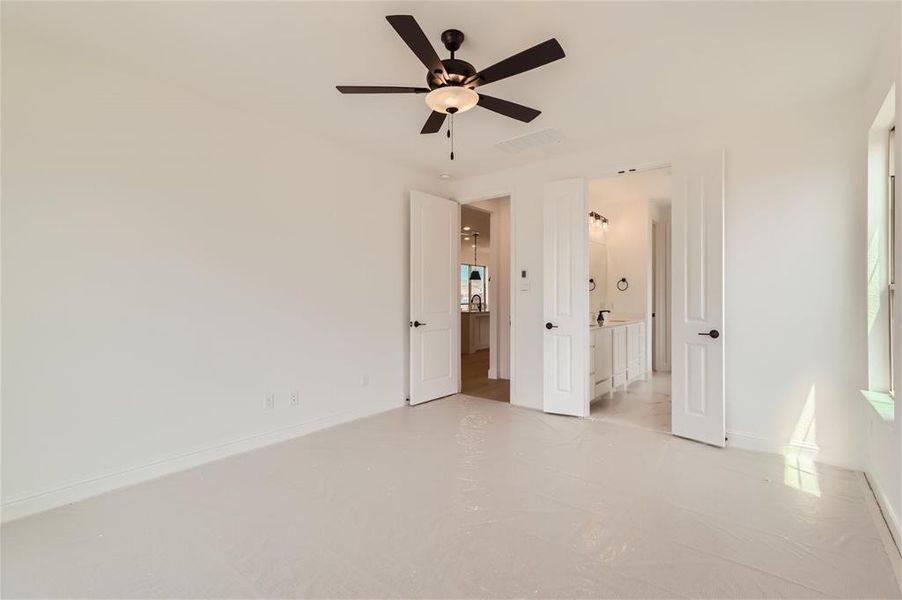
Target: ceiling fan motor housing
458,70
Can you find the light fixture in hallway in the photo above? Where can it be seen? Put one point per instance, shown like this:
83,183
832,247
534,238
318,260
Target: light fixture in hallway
474,274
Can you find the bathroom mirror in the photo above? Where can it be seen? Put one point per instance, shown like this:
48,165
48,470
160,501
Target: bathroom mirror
598,272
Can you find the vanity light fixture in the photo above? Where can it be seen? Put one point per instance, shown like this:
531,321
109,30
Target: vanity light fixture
597,220
466,228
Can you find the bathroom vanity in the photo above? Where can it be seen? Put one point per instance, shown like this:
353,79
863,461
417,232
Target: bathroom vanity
617,355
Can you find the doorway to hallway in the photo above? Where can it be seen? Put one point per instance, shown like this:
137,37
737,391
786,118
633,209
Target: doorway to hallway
485,299
475,381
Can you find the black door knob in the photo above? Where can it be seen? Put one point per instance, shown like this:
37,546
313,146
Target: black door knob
714,334
550,326
417,324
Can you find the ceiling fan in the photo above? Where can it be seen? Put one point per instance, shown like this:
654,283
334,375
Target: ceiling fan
452,81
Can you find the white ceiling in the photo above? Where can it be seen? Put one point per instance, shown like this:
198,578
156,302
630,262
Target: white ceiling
632,68
654,185
476,220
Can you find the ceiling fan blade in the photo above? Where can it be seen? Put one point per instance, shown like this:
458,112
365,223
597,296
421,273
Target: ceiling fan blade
434,122
508,109
412,34
537,56
380,89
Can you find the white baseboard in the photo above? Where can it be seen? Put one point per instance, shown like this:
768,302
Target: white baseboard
22,506
493,374
886,523
750,441
892,519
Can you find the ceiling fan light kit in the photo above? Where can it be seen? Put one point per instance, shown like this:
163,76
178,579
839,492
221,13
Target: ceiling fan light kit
452,81
452,99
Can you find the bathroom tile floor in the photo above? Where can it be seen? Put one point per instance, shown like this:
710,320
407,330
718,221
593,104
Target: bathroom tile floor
644,404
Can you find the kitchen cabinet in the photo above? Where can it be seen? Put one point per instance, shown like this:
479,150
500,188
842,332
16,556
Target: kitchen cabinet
475,330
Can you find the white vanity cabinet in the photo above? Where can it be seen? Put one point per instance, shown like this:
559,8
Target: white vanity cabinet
600,367
619,359
617,356
636,354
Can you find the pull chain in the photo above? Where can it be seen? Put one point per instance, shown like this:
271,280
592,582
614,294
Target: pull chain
451,134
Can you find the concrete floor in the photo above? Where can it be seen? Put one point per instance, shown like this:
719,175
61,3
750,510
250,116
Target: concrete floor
464,497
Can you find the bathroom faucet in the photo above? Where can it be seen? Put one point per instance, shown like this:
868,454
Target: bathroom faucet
477,299
601,316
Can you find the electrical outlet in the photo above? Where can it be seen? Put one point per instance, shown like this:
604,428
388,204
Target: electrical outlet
365,381
294,399
270,402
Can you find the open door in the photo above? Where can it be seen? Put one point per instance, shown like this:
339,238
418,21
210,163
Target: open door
434,297
566,299
697,302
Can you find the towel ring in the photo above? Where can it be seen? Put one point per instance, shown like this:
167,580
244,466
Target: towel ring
623,284
591,285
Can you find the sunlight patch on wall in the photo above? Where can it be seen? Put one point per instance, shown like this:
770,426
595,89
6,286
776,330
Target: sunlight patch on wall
800,470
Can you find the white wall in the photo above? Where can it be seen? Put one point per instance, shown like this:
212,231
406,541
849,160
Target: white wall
167,263
630,202
629,250
629,243
484,254
882,441
795,233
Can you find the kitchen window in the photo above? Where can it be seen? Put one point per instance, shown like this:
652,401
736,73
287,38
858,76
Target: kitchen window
473,287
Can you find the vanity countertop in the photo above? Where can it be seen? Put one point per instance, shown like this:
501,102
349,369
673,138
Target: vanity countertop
614,323
474,312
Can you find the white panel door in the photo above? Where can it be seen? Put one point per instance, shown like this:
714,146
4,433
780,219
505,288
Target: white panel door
434,297
697,303
566,299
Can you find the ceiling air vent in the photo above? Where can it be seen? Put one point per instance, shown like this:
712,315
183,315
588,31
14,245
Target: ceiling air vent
530,140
